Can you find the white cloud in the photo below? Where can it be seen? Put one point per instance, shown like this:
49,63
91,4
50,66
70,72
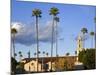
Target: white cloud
27,33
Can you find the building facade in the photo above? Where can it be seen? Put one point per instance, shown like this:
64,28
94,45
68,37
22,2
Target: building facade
44,63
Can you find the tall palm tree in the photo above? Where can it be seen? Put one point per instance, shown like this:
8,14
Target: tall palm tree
53,11
47,54
20,55
13,32
28,54
15,55
92,35
34,54
43,60
84,31
75,52
95,31
29,60
37,14
43,53
67,54
56,20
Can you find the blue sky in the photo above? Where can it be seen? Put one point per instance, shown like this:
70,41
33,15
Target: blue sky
72,19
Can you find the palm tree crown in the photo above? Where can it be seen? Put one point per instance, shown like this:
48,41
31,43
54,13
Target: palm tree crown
56,19
13,31
92,33
54,11
20,52
15,54
43,52
84,30
47,54
36,12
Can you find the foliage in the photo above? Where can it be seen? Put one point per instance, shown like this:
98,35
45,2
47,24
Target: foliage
84,30
61,65
13,64
88,58
20,67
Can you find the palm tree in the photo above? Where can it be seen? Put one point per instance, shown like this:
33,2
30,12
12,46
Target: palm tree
95,31
13,32
43,60
92,35
75,52
29,60
95,19
47,54
53,11
37,13
20,55
39,52
56,20
43,53
15,55
28,54
34,54
84,31
67,54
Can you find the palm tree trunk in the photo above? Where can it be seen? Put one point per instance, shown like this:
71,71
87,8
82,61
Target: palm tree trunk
56,46
83,41
52,41
56,41
92,42
95,40
37,39
13,41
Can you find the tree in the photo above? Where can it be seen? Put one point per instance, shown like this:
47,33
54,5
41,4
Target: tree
84,31
92,34
88,58
94,19
15,55
28,54
29,60
13,32
20,68
95,33
34,54
61,65
20,55
53,11
37,13
47,54
67,54
75,52
43,53
13,65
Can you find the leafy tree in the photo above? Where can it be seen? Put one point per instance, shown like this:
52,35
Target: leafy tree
88,58
61,65
13,64
20,68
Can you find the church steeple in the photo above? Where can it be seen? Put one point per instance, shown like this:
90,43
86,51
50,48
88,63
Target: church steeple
79,44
